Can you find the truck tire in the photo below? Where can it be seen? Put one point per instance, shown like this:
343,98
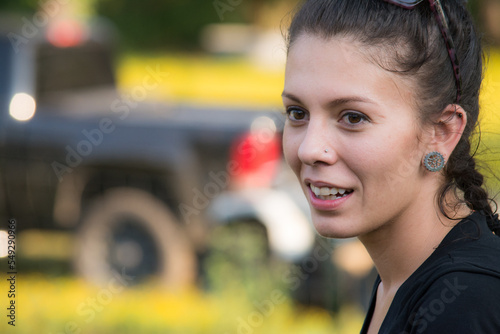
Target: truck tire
128,231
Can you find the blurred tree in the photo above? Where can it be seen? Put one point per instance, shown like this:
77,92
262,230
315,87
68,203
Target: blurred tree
176,24
19,5
173,24
153,24
31,6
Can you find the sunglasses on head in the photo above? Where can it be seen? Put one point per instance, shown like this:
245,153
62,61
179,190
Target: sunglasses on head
438,11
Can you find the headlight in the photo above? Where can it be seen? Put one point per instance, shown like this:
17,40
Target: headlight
22,107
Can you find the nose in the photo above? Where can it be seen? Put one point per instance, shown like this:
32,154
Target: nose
317,146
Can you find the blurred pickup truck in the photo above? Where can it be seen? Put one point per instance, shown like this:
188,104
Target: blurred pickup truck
141,183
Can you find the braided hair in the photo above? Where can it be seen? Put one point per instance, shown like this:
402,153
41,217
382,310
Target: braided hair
414,38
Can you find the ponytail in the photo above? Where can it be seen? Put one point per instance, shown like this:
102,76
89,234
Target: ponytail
461,173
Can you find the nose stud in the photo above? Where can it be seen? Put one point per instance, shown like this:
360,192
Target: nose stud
326,150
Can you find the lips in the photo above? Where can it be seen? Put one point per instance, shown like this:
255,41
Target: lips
325,196
329,193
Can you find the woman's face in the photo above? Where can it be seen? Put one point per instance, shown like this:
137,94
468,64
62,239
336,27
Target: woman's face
351,137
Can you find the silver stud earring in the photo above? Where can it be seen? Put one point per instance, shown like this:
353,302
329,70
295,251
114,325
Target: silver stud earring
326,151
434,161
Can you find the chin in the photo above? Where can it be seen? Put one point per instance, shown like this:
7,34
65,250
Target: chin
336,228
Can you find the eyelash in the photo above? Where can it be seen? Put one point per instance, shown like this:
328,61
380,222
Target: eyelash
363,118
289,110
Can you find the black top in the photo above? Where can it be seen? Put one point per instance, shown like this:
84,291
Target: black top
456,290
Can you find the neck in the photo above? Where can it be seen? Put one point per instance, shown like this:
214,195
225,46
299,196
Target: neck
401,246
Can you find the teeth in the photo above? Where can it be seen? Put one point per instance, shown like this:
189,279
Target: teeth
324,191
327,193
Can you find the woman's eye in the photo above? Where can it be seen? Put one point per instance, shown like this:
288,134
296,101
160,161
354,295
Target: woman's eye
296,114
354,118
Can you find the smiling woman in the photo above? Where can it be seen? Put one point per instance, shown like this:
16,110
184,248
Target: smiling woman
381,99
347,106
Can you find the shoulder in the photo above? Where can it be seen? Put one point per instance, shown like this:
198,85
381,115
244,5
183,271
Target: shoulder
458,289
459,302
469,247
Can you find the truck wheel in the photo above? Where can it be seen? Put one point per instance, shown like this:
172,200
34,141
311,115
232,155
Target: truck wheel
130,232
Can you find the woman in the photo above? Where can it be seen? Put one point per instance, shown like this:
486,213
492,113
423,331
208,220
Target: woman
381,99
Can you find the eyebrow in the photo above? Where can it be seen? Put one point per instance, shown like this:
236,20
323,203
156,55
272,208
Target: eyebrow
334,103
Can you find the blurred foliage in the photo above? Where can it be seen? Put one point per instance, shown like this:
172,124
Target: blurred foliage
244,294
173,24
19,5
239,253
63,305
153,24
82,7
150,24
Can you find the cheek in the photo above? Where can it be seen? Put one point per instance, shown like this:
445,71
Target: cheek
387,161
291,144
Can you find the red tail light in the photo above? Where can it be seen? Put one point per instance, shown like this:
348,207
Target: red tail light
66,34
256,156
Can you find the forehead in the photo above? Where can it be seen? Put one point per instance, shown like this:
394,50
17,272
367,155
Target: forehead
341,66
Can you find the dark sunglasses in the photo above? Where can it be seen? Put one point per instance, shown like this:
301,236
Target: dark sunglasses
437,9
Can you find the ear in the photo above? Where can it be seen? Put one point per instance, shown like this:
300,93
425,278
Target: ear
446,132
